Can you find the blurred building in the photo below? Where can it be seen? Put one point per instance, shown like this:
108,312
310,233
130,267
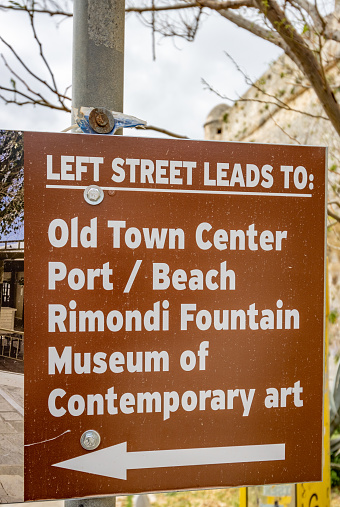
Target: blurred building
12,269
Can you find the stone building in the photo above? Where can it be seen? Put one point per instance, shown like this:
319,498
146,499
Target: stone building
281,108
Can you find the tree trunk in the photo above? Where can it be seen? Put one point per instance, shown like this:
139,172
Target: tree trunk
308,62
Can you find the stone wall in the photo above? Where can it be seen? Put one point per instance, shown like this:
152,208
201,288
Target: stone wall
270,112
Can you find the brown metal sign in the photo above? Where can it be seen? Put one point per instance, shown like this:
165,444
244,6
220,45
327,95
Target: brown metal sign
174,314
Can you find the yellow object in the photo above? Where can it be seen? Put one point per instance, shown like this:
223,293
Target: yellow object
285,501
243,497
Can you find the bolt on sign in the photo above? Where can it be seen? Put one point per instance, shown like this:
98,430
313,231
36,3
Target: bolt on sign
174,314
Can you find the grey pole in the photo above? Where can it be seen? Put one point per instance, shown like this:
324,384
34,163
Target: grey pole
98,54
97,81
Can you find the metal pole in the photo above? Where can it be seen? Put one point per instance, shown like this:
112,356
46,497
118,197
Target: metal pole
98,81
98,54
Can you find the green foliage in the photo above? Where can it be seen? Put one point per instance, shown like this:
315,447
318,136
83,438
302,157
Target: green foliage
333,315
335,479
11,180
129,501
335,474
333,167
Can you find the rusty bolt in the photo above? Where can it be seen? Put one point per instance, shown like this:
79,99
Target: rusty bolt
101,120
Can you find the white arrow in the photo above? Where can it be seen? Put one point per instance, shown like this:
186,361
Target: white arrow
114,461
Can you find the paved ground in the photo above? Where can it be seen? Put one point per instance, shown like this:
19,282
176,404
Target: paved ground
11,437
10,364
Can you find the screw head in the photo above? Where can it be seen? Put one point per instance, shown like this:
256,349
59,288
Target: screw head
93,194
101,120
90,440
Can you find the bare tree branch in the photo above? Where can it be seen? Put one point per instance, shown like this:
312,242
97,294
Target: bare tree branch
39,10
162,131
312,11
265,102
161,8
306,58
211,4
294,139
333,215
15,74
220,6
35,76
277,102
259,31
32,96
30,100
35,35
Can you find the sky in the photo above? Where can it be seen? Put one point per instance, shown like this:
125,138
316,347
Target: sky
168,92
